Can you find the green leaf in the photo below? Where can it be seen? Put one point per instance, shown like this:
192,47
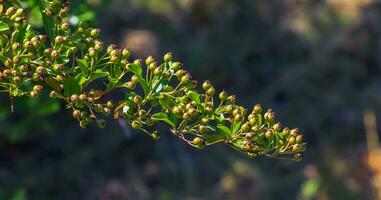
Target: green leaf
4,27
48,20
71,86
84,66
98,74
81,79
236,127
163,117
15,92
195,96
213,139
223,129
55,85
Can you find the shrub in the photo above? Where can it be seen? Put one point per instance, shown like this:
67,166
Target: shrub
69,60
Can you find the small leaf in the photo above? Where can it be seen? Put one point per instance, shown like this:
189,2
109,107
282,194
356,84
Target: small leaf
236,127
223,129
55,85
71,86
84,66
98,74
80,79
213,139
4,27
163,117
195,97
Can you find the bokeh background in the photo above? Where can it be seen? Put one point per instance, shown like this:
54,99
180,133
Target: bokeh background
316,63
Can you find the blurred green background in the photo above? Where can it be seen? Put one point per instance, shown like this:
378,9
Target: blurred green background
315,62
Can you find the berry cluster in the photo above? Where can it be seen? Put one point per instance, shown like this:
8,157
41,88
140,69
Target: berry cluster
69,60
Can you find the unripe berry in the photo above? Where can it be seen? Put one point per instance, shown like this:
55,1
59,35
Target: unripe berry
185,78
142,113
180,73
92,52
168,57
126,53
299,139
206,85
229,108
156,135
186,116
82,97
15,46
65,26
286,132
130,85
95,32
253,121
257,109
55,54
176,110
58,67
269,133
138,62
197,141
277,127
152,66
74,98
53,94
211,91
236,111
238,118
37,88
291,140
158,71
110,104
149,60
134,79
137,99
294,132
33,94
223,95
135,124
295,147
245,127
76,114
59,39
231,99
16,79
176,66
114,59
202,129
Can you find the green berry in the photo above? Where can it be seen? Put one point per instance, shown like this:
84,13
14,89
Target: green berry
168,57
